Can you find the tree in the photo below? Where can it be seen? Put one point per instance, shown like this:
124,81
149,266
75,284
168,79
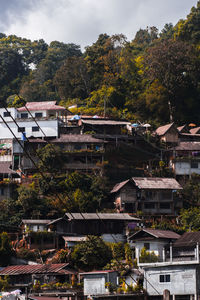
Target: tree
93,254
173,65
190,219
51,159
5,249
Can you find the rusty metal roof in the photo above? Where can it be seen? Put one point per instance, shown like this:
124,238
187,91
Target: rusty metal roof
163,129
188,146
35,269
101,216
188,239
45,105
157,233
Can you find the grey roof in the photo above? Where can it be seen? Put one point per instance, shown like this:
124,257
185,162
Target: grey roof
5,168
188,239
74,238
102,216
157,233
150,183
37,221
163,129
104,122
188,146
77,138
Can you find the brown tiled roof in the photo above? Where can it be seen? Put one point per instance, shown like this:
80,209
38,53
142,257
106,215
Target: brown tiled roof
195,130
77,138
157,233
156,183
45,105
188,146
35,269
163,129
188,239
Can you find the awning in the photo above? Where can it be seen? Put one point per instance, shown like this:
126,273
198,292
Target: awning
5,146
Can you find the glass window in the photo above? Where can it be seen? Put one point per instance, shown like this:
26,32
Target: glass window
38,115
147,246
24,115
165,278
35,128
21,129
6,114
194,164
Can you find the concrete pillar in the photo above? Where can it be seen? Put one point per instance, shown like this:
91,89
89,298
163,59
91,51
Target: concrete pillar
163,254
197,252
173,297
166,295
171,257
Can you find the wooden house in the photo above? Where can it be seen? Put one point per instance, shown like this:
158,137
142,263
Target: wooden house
168,134
147,194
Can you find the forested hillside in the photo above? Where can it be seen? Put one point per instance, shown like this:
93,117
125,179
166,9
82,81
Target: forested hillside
153,78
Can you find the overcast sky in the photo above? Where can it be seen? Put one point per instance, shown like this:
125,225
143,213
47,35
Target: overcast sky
81,21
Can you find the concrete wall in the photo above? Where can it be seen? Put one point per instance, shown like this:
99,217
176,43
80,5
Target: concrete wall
154,246
183,280
184,168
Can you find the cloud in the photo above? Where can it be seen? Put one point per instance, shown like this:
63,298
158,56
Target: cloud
81,21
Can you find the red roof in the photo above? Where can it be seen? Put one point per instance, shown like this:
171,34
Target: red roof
45,105
36,269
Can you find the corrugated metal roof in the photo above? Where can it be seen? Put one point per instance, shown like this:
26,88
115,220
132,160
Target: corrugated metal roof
77,138
188,146
157,233
150,183
156,183
45,105
33,269
74,238
103,122
163,129
188,239
5,168
103,216
30,221
195,130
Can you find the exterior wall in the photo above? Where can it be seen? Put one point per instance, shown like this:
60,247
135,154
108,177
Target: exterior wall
43,112
94,284
114,238
184,168
171,136
183,280
50,128
13,112
154,246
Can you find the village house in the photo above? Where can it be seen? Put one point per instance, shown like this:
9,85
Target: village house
185,159
168,134
112,227
96,282
154,196
21,275
153,240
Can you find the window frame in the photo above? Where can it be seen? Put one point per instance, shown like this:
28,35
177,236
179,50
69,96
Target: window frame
24,115
38,115
166,278
35,129
21,129
6,114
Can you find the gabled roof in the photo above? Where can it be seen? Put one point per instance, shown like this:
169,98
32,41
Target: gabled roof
77,138
100,216
155,233
5,168
195,130
150,183
163,129
188,239
36,269
188,146
45,105
183,129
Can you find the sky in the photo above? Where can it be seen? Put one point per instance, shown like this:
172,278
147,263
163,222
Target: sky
81,21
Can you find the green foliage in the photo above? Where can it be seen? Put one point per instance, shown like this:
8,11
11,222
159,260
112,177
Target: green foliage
190,219
147,257
191,191
4,283
91,254
5,249
51,159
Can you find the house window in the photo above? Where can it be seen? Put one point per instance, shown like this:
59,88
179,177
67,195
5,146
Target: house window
21,129
165,205
194,164
165,278
35,128
149,205
6,114
38,115
24,115
147,246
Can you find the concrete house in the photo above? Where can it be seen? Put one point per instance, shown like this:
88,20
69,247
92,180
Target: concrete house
147,194
186,158
168,133
153,240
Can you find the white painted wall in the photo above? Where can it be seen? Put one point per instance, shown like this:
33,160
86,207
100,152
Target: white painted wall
94,286
183,280
13,111
155,246
50,128
184,168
